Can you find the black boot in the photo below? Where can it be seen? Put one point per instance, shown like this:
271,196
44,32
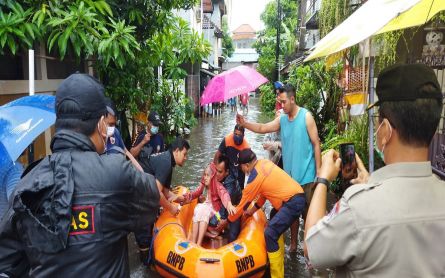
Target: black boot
143,256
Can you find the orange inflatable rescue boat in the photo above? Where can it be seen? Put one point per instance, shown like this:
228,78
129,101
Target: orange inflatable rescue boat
175,256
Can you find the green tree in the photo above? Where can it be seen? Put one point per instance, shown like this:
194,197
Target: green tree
265,45
268,98
175,45
105,30
332,13
125,40
266,60
84,27
16,28
227,42
317,90
136,86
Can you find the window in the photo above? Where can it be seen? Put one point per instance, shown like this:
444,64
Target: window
11,67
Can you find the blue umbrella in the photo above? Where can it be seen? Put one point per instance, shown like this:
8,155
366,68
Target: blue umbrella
21,121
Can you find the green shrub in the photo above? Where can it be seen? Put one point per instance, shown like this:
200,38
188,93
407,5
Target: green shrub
268,98
356,133
174,107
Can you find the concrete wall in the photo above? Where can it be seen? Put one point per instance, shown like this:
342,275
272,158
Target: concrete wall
209,34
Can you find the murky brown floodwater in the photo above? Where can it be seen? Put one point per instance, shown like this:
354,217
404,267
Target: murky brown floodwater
204,140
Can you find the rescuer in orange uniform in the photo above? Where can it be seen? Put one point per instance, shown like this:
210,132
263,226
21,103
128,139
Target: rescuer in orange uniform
266,181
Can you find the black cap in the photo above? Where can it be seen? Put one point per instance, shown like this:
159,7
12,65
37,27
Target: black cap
84,90
154,118
402,83
111,108
239,127
246,156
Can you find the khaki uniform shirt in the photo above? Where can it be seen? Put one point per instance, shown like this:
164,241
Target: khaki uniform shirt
394,226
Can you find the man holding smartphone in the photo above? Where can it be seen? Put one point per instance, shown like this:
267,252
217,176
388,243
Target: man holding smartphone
392,223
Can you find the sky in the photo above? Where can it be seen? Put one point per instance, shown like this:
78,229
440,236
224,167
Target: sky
247,11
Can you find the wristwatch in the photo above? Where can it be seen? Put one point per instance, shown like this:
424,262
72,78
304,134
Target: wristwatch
323,181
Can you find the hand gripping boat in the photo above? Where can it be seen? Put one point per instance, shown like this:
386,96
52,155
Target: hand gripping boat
175,256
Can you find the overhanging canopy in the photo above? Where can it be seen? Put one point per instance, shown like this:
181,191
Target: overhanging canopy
421,13
375,17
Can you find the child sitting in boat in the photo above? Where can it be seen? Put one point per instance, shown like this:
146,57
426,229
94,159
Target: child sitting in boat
210,211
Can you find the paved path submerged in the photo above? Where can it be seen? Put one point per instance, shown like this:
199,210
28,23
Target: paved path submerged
204,140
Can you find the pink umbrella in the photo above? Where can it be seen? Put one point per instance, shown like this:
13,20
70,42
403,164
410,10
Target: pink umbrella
232,83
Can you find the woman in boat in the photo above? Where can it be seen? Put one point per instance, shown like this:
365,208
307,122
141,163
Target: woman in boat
210,211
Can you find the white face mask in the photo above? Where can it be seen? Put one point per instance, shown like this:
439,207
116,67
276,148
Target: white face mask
376,145
110,131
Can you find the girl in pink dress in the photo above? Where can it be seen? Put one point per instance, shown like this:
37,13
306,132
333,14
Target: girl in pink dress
217,198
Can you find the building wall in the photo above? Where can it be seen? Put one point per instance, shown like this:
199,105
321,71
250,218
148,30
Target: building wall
193,16
209,34
229,65
49,73
197,79
229,11
244,43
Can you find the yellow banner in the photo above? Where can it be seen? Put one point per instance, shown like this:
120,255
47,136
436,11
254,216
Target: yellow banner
356,98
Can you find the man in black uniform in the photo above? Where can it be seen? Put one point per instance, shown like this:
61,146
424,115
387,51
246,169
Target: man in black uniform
149,140
161,166
71,214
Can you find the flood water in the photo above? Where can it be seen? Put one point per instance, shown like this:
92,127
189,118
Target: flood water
204,139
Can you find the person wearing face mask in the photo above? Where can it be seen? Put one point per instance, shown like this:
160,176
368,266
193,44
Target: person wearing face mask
72,212
115,144
390,223
149,141
267,181
230,146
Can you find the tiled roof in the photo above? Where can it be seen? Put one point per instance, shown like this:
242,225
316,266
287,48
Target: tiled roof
236,37
244,28
245,31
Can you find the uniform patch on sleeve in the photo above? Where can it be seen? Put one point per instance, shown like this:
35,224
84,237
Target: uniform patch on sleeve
82,220
252,176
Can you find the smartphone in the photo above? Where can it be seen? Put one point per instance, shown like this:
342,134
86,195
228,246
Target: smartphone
348,164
